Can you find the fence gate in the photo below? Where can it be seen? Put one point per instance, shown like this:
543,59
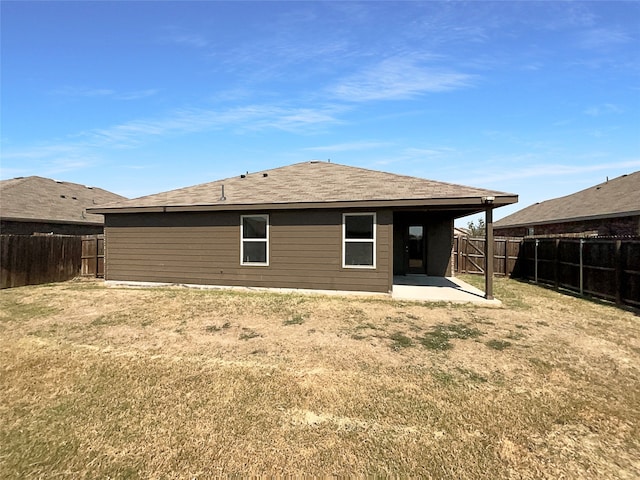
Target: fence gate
93,256
469,255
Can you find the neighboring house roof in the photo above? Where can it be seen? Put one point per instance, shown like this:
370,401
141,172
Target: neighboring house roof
311,184
619,197
461,231
38,199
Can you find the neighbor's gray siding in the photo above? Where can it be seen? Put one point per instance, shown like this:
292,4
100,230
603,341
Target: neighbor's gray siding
204,248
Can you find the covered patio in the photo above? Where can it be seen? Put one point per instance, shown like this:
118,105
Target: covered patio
422,246
425,288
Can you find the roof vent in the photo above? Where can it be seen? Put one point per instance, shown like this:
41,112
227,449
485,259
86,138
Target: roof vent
63,196
243,176
58,181
222,197
265,175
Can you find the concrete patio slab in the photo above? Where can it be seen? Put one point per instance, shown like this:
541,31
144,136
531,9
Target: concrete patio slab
438,289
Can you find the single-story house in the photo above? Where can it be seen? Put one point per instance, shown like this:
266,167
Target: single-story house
312,225
611,208
34,204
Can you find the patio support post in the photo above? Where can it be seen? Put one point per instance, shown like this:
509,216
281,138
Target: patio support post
488,253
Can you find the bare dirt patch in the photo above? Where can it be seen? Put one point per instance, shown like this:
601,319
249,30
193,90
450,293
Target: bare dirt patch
119,382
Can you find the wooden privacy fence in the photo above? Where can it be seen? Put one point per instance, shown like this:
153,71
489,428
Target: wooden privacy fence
93,256
32,260
468,254
606,268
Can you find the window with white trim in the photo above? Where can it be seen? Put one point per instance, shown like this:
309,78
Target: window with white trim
359,240
254,240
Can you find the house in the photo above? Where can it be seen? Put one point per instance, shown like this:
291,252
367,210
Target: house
41,205
312,225
611,208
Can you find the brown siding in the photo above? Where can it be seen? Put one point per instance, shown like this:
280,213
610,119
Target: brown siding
439,246
204,248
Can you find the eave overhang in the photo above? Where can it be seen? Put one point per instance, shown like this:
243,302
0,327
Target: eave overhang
49,220
473,203
570,219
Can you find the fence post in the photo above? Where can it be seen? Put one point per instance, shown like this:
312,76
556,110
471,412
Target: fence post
488,253
556,264
619,272
535,262
463,254
581,267
506,257
97,252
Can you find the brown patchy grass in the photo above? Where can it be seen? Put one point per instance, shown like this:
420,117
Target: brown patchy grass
105,382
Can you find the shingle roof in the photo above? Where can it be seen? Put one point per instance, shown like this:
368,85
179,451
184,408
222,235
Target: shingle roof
43,199
311,183
617,197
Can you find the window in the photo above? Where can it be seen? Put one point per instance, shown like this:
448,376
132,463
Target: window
359,240
254,240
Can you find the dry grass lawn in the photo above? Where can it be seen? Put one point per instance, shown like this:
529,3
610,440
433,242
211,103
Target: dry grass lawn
111,382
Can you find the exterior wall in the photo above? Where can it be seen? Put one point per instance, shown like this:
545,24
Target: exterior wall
8,227
438,231
305,250
604,227
439,247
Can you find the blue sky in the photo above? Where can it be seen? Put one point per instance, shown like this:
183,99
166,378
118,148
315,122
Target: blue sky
536,98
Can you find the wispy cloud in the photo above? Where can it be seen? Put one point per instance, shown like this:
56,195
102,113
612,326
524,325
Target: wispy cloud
84,92
138,94
602,38
251,117
350,146
417,156
396,79
47,161
604,109
135,133
179,36
548,170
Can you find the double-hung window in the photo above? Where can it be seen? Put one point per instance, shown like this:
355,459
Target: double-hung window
254,240
359,240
